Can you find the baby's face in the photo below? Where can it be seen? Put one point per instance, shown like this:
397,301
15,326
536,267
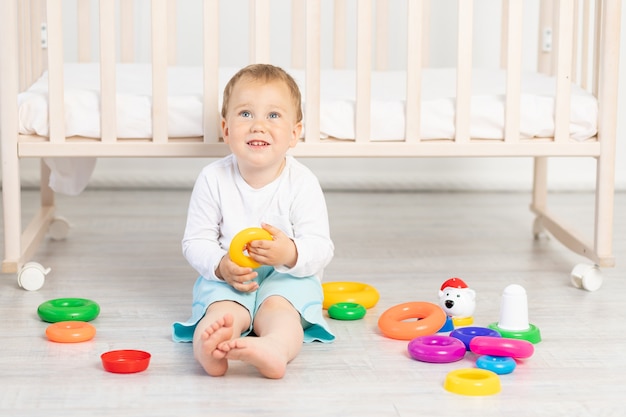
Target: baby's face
260,124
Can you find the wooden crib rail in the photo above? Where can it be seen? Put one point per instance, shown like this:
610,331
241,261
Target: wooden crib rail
577,29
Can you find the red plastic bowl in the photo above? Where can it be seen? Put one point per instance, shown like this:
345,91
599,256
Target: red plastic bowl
125,361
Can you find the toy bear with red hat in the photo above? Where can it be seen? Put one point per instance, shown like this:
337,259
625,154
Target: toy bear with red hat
458,301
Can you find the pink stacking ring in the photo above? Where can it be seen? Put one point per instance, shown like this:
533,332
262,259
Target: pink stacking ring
466,334
436,349
500,346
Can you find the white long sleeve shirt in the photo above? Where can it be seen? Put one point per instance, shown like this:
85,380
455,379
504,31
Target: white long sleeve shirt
222,204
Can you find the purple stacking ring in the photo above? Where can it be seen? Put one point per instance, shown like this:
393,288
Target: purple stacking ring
466,334
436,349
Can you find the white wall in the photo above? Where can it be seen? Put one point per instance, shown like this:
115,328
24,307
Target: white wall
491,174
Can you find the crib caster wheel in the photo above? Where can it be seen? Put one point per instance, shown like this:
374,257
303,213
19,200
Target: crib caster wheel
32,276
587,277
59,228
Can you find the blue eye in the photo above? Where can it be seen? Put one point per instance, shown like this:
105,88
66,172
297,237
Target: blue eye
274,115
245,113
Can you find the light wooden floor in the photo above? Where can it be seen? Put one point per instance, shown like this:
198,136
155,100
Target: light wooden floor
124,253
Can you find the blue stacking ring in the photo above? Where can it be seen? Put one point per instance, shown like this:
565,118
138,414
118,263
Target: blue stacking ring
501,365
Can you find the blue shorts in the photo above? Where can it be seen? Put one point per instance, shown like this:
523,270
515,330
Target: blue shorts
305,294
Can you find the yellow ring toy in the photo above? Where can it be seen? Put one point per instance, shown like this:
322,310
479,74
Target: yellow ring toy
472,381
349,292
462,321
430,318
240,242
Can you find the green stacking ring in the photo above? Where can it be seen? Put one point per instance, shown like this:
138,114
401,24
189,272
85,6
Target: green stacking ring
346,311
68,309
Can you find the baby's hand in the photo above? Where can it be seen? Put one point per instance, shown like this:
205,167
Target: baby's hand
281,250
238,277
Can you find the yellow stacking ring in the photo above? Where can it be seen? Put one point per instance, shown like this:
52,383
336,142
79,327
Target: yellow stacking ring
472,381
349,292
240,243
462,321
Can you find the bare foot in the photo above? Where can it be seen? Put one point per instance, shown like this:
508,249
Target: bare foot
212,359
259,352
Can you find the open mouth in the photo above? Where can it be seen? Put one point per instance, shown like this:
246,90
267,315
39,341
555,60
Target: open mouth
258,143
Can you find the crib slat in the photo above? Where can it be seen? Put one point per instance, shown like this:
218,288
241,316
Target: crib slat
84,30
108,123
260,31
56,108
607,126
563,74
584,53
504,33
171,32
575,42
415,14
159,71
363,71
210,105
513,71
25,41
127,31
298,19
544,55
312,81
9,89
596,49
36,51
382,35
464,70
426,34
21,37
29,30
339,34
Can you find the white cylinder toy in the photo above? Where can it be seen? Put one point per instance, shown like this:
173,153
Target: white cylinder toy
514,309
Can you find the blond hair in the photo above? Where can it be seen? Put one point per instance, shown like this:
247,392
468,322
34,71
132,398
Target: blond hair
265,73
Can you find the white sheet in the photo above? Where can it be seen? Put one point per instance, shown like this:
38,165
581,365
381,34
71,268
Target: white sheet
337,110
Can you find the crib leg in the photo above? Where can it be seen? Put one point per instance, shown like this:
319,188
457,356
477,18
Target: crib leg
540,193
605,189
21,246
547,221
38,227
58,227
11,200
584,276
46,193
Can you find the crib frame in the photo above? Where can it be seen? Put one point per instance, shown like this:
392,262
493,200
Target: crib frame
594,66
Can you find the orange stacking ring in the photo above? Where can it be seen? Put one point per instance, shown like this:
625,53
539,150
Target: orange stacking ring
70,331
430,318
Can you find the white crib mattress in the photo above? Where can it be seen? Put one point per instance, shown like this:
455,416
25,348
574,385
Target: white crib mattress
337,109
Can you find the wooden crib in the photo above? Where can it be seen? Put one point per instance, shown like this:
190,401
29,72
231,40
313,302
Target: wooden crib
577,53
